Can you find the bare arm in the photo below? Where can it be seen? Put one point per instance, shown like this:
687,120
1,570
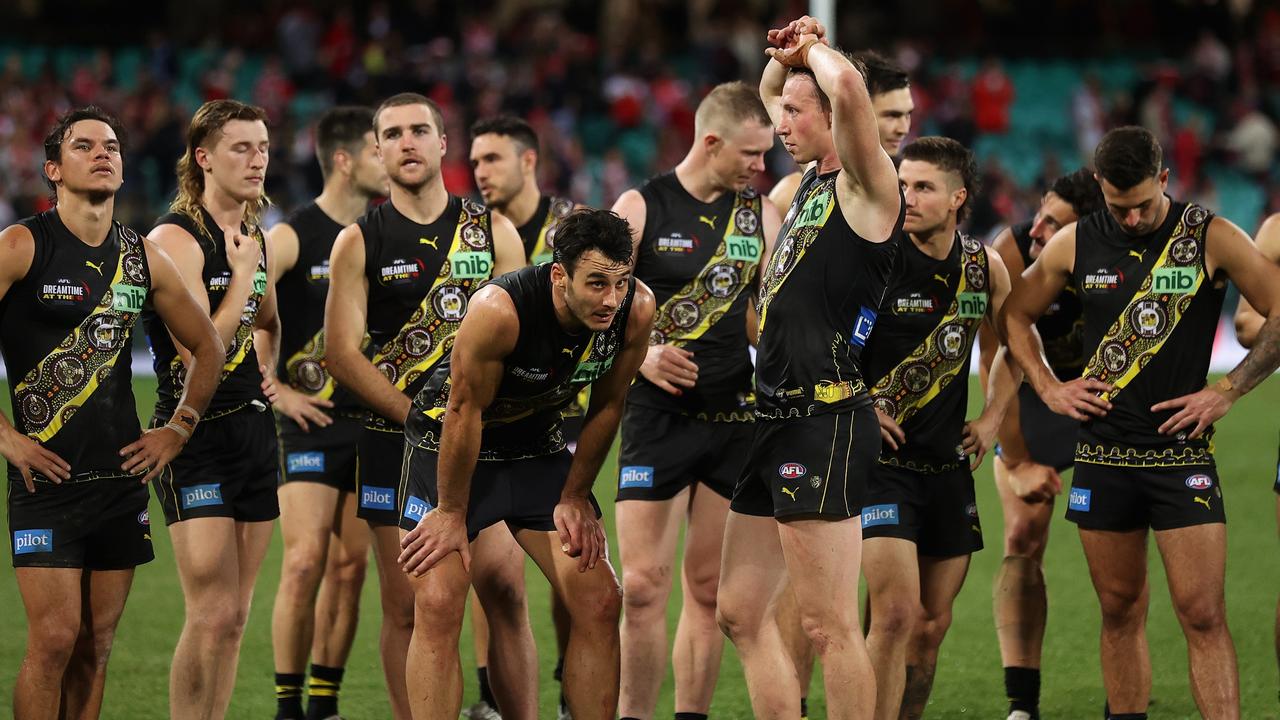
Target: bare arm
771,82
1248,320
345,321
183,249
630,206
784,191
282,250
1013,448
508,251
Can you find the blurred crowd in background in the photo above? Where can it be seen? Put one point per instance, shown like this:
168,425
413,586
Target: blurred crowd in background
611,85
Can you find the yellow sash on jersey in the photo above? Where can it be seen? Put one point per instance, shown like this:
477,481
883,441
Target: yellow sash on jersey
242,341
544,246
936,362
1148,320
689,313
308,372
804,221
428,333
49,395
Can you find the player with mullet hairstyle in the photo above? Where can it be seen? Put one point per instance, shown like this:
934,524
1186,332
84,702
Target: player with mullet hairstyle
319,425
404,273
1035,445
1151,274
485,447
796,509
73,282
701,235
219,499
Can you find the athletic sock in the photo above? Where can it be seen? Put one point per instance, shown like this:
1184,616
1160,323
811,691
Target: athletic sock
1022,686
322,691
289,696
691,716
559,673
486,692
804,708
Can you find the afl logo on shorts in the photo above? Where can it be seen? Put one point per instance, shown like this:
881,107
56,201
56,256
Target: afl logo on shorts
791,471
1199,482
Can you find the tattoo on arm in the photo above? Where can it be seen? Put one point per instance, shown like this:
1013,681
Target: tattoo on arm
1262,359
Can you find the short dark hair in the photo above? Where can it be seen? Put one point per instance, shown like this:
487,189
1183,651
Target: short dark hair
1127,156
518,130
341,128
882,74
586,229
410,98
1079,190
949,156
822,96
62,128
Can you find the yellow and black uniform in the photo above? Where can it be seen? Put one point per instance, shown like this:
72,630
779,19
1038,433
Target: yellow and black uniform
1050,437
229,467
816,436
421,278
66,330
538,236
325,455
523,462
701,260
919,355
1151,313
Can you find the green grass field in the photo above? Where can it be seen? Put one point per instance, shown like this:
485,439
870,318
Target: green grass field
969,680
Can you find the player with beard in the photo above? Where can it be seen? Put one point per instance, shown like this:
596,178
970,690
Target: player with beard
701,234
485,447
1035,445
72,284
920,521
796,509
1152,273
890,90
404,274
319,425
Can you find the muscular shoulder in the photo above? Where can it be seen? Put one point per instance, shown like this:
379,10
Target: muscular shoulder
643,309
17,250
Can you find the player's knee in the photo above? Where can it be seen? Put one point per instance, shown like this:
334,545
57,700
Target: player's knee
222,621
303,567
895,615
931,629
701,589
646,587
1201,616
349,570
51,645
828,632
1121,606
1024,537
503,598
601,605
437,608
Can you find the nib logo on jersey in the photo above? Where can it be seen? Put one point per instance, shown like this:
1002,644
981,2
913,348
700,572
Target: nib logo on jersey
1103,280
63,292
677,243
32,541
201,495
401,271
377,498
415,508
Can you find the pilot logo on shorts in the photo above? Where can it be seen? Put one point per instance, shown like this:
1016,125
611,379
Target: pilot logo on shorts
1080,499
792,471
305,462
201,495
450,303
377,498
873,515
415,508
32,541
635,476
1199,482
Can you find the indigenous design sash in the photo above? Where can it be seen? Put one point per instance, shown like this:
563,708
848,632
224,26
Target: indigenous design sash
428,333
49,395
934,364
689,313
544,246
807,217
307,371
242,341
1148,320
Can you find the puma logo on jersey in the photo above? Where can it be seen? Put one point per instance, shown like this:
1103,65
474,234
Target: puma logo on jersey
96,266
1138,254
710,221
431,242
567,351
940,278
792,492
1203,501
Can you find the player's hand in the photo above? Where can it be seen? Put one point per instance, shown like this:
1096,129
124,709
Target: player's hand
890,431
27,455
1077,399
438,533
299,407
1198,410
581,534
806,25
151,452
979,438
670,368
795,53
1034,483
243,252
